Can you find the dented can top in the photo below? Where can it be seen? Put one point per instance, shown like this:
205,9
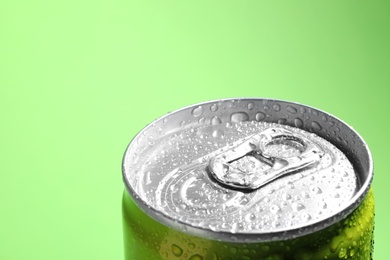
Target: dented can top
248,170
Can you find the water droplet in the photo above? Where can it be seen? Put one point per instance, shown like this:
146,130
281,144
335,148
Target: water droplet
250,217
214,107
342,252
275,224
306,216
191,245
316,126
198,111
297,206
218,133
160,131
216,120
265,248
282,121
239,117
165,120
234,227
260,116
201,120
174,189
286,196
298,122
176,250
276,107
302,110
152,141
266,108
292,110
244,201
195,257
305,194
251,105
316,190
275,209
147,180
324,205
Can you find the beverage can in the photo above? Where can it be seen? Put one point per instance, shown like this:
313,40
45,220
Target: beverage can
248,178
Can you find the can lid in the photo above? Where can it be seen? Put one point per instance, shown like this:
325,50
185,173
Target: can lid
237,179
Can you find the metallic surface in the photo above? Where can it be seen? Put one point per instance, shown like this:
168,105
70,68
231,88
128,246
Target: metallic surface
259,110
256,147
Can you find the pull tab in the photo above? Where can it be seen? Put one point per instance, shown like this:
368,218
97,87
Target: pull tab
223,171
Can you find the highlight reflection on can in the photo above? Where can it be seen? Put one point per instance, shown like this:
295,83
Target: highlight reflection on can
248,179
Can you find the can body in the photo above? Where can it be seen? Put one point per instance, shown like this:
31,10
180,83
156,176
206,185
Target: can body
278,191
145,238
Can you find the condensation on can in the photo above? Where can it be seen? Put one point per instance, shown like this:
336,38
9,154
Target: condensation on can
248,174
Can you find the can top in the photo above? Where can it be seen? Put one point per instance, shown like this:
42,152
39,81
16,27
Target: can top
234,170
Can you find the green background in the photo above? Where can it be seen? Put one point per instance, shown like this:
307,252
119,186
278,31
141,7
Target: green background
78,79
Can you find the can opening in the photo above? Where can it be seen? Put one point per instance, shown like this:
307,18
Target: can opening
227,169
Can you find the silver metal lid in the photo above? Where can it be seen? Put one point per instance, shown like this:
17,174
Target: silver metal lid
257,146
233,170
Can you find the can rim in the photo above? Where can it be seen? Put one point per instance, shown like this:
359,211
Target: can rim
298,231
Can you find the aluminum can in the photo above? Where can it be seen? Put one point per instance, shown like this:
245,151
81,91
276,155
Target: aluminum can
248,178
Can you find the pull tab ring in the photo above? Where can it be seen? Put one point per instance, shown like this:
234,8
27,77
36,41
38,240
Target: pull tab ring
224,172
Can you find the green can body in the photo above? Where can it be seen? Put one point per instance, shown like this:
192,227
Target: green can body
145,238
